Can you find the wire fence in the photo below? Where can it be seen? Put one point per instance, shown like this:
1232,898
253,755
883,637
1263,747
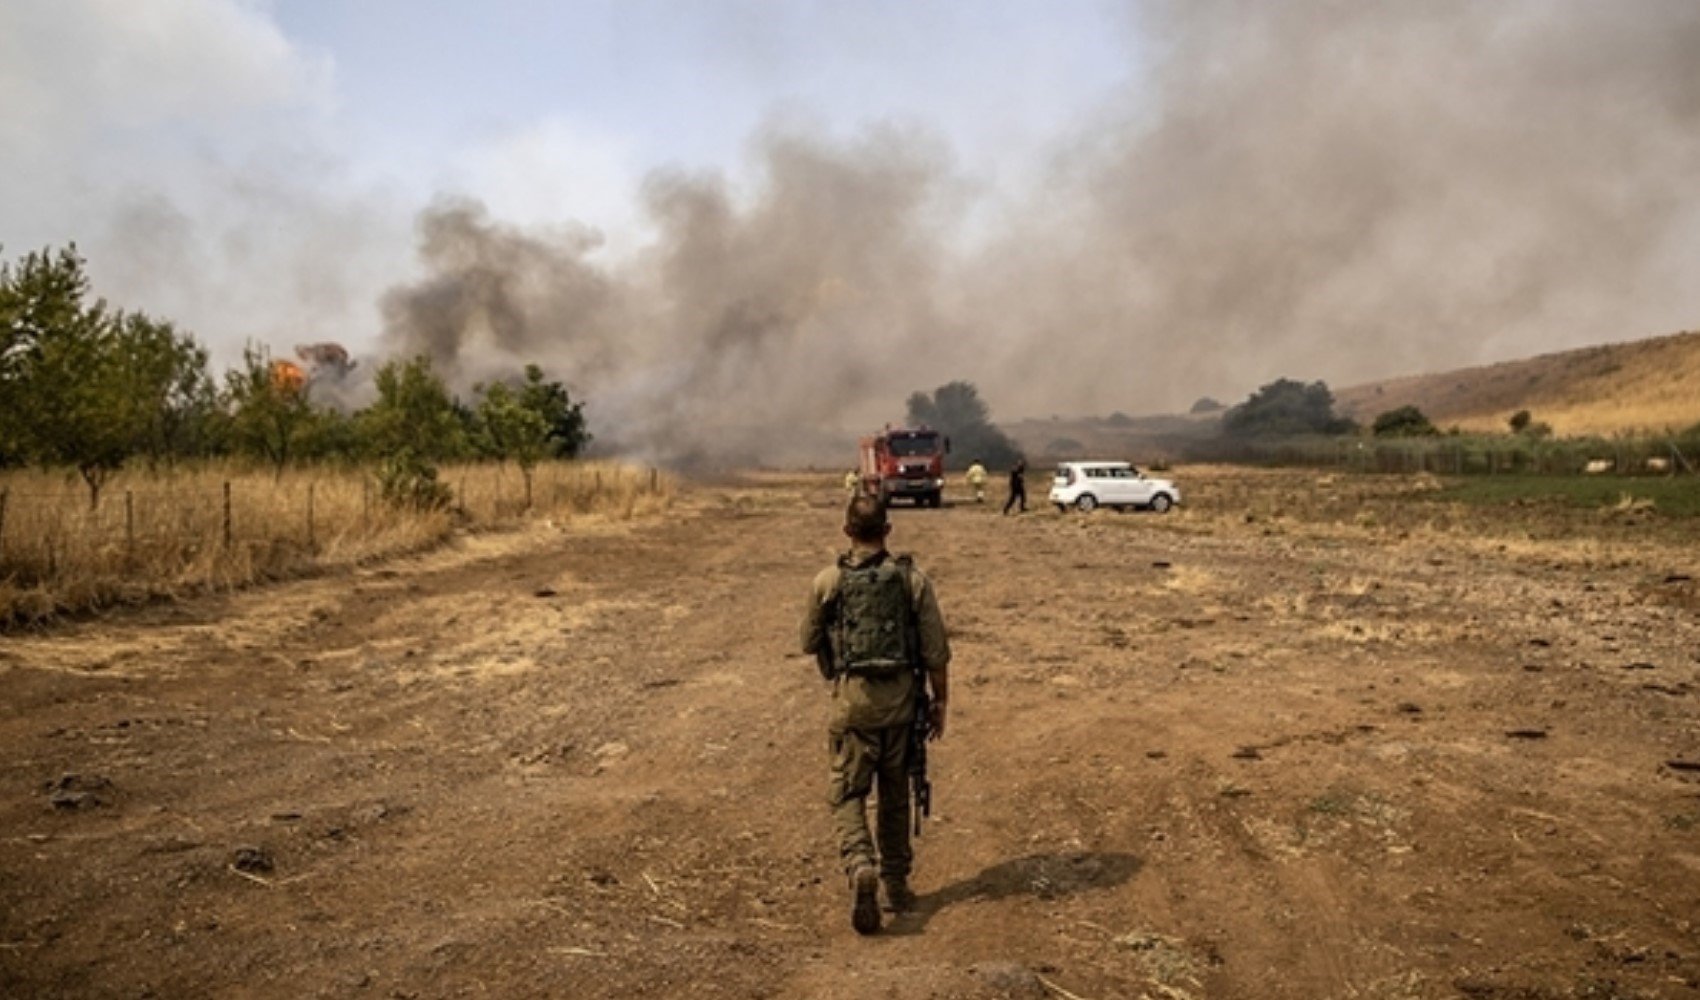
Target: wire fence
65,549
1468,456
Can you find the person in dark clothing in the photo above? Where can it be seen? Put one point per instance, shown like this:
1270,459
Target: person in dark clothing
1017,487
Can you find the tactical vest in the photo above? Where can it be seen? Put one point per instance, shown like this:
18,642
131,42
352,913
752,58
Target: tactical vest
874,635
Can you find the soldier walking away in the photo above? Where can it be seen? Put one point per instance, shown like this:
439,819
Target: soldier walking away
1017,486
873,624
977,481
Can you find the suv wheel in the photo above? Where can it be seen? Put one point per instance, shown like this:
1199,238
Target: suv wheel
1161,503
1087,503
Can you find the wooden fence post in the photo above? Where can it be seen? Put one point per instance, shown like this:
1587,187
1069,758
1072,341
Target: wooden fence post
654,476
365,504
227,515
129,525
312,542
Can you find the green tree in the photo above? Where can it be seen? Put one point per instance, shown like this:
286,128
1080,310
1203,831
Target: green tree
66,390
413,412
328,434
171,396
1522,422
269,418
549,400
1286,408
1405,421
956,410
509,430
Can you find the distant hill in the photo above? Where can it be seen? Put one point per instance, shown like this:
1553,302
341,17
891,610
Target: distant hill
1645,385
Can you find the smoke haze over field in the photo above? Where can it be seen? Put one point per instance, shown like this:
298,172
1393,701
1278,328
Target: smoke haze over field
1317,190
1133,206
1341,190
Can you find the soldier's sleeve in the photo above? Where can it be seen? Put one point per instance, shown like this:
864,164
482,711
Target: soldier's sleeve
935,645
814,613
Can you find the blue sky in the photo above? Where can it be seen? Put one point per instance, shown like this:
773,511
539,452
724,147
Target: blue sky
684,84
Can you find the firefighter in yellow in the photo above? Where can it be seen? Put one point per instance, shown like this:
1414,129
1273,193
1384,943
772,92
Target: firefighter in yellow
977,481
852,482
873,624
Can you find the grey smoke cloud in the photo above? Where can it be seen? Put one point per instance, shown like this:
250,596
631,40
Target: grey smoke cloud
1312,189
746,322
181,144
1353,190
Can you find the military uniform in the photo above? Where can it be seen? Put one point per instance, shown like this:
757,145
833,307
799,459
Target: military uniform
868,733
852,482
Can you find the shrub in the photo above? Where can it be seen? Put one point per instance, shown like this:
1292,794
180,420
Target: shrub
1286,408
409,482
1405,421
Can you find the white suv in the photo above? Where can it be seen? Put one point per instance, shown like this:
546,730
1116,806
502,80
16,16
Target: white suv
1087,485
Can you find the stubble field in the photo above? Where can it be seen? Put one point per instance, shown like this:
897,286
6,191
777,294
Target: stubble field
1305,737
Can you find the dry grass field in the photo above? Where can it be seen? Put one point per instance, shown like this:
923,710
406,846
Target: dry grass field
159,535
1304,738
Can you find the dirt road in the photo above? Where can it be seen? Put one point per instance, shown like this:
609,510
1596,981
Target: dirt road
1255,748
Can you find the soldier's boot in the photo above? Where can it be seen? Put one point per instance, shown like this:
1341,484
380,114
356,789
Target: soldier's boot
865,904
898,897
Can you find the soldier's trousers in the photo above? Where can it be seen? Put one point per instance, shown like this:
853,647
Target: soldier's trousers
862,759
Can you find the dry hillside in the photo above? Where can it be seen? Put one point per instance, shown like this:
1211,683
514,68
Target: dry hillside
1644,385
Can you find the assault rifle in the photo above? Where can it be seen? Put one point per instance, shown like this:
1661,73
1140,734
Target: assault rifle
919,730
921,726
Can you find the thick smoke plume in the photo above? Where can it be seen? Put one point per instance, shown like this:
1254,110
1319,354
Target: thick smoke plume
743,328
1324,190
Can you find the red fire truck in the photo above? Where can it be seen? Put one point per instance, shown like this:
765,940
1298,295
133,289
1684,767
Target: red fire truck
905,462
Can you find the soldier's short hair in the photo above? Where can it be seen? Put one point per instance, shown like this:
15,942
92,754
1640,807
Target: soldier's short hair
864,518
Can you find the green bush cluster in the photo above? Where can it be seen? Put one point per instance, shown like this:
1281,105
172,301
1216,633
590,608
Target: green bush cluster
1286,408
